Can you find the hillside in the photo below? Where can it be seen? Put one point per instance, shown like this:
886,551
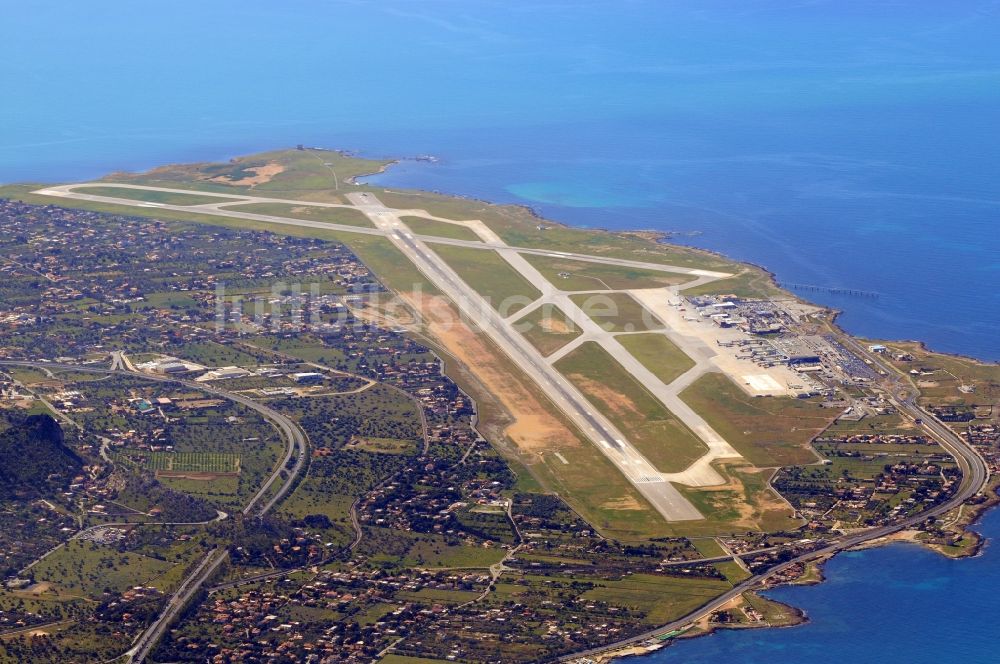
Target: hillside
34,458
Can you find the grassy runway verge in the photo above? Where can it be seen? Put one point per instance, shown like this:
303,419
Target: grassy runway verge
658,354
422,226
572,275
548,328
649,425
767,431
491,276
617,312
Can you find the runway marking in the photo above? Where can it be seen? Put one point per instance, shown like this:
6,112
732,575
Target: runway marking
649,479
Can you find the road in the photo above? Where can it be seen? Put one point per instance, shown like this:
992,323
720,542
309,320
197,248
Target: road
296,449
969,461
655,486
660,493
144,645
289,430
975,474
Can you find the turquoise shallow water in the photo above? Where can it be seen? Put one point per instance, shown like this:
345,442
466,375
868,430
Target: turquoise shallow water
847,143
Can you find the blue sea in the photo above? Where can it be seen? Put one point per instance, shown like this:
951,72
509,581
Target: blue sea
899,603
845,144
842,144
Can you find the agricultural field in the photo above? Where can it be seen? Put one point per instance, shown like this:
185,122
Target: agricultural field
201,464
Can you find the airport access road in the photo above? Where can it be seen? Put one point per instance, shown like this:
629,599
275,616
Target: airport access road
975,474
646,477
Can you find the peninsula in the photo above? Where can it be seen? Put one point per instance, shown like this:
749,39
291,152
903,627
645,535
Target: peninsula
287,414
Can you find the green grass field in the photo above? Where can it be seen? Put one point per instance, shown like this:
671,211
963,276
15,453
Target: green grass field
617,312
432,551
150,196
87,569
317,174
573,275
519,227
745,503
773,431
655,431
660,598
422,226
491,276
392,658
383,445
345,216
748,283
873,424
548,328
658,354
599,492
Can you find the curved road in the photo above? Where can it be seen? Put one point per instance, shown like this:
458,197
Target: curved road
975,474
290,431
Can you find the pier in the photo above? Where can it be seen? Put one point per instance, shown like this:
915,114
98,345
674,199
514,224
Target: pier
830,289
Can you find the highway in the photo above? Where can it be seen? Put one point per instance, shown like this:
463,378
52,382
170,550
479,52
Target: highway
144,645
975,474
972,465
296,448
655,486
288,429
664,497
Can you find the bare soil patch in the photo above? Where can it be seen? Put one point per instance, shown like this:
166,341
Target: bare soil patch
622,406
623,503
555,326
261,174
533,429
